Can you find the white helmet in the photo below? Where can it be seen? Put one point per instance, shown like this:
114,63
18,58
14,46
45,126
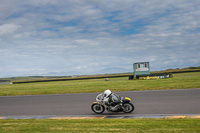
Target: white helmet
107,93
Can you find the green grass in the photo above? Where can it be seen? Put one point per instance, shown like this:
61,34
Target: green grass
101,125
179,81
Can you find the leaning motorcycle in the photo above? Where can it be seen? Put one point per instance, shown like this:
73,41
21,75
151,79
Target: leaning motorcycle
125,106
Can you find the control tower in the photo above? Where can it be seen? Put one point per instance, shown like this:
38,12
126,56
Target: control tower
141,68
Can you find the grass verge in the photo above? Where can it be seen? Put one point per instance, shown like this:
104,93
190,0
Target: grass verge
101,125
180,81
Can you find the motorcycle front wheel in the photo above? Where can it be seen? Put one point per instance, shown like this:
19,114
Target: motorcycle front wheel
128,108
97,108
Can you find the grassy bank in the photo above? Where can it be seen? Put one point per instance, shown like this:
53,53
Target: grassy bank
179,81
101,125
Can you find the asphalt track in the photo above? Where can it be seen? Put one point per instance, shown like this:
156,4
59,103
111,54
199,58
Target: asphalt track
158,102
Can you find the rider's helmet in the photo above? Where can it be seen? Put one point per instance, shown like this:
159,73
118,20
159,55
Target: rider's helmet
107,93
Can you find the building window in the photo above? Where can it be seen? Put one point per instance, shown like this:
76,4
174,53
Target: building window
145,65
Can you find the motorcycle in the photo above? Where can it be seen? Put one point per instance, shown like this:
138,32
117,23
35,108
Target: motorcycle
125,106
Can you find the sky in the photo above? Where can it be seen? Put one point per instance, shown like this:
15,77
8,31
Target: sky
77,37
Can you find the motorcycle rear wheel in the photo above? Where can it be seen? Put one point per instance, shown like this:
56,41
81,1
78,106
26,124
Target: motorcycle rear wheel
97,108
128,108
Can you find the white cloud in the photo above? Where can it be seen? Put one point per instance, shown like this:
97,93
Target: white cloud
8,29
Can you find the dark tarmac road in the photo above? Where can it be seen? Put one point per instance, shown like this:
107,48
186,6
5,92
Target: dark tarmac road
186,101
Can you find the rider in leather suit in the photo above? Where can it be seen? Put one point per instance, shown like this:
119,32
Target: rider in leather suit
110,99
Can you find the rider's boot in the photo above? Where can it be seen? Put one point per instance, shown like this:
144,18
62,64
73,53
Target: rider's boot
115,108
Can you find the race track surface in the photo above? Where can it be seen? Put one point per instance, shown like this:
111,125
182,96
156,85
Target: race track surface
185,101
